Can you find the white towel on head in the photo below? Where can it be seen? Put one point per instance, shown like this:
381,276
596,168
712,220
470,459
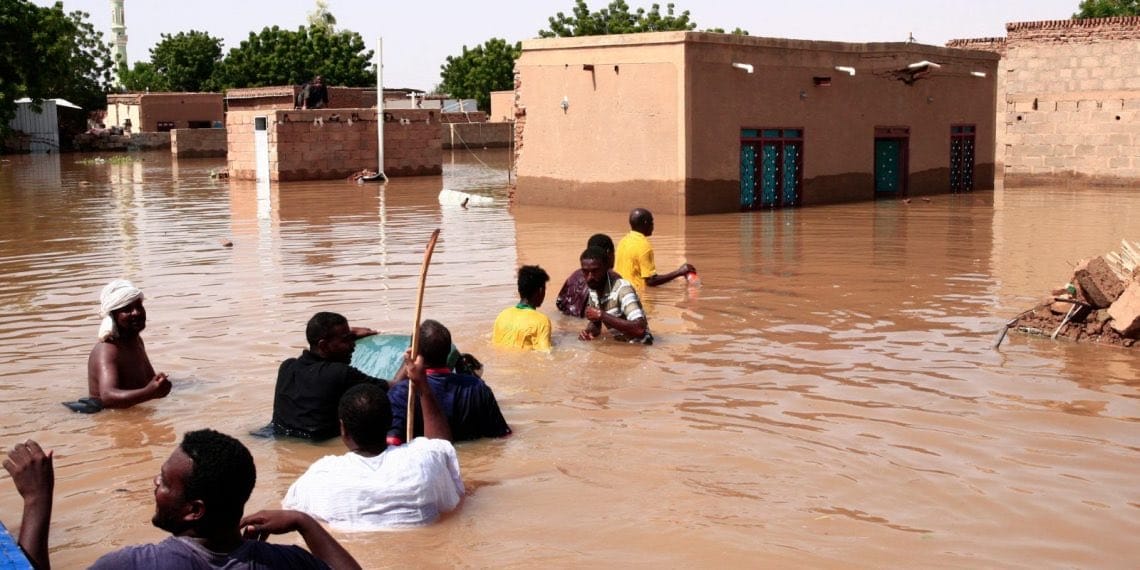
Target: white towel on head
116,295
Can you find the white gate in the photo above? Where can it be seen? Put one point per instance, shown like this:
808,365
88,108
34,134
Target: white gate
261,147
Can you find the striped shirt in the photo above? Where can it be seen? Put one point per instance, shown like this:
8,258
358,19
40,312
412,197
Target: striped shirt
620,300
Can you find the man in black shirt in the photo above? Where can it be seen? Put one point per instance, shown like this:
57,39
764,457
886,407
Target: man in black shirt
309,387
313,95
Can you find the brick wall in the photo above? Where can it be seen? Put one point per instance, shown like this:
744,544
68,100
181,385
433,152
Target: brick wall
334,143
475,117
1068,99
197,143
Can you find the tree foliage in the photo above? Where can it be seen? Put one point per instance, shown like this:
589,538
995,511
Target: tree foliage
283,57
1107,8
48,53
615,19
476,72
181,62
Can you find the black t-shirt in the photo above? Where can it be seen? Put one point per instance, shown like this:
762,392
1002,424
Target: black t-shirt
308,392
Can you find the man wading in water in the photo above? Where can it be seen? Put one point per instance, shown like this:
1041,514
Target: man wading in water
119,373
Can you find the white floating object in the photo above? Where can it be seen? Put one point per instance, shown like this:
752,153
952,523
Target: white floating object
457,198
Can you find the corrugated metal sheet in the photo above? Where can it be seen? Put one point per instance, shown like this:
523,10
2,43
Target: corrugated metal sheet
43,126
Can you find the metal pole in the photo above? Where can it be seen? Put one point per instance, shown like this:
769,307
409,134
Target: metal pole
380,108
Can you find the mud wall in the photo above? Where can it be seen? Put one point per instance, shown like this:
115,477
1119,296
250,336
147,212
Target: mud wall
197,143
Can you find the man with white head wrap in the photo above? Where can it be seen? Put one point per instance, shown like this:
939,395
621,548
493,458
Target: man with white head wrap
119,373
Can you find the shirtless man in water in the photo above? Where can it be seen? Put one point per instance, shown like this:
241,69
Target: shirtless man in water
119,373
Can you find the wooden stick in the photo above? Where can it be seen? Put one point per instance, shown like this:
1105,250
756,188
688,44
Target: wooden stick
411,416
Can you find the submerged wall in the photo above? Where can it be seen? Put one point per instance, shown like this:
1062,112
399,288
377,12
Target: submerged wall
328,144
197,143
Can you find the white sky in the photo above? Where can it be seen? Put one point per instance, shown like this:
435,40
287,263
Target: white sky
418,36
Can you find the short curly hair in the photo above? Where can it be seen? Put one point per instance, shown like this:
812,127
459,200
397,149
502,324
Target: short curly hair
366,413
223,474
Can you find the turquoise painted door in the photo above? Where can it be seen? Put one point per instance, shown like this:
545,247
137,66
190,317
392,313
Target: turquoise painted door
888,166
771,161
747,176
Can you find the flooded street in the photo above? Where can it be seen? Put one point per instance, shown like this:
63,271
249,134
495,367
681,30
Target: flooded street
828,399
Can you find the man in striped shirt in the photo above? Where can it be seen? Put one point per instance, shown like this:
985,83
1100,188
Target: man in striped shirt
612,303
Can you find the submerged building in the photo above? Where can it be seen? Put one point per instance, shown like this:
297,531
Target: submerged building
696,123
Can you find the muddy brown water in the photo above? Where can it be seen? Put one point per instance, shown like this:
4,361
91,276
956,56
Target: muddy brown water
828,399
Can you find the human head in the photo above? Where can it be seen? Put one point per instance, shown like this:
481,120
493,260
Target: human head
532,284
595,264
365,414
330,337
435,343
604,243
318,80
641,220
121,310
204,484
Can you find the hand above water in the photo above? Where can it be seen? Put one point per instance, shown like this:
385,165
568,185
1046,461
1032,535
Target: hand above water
361,332
161,385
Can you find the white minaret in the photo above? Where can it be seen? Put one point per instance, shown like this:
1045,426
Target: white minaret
119,30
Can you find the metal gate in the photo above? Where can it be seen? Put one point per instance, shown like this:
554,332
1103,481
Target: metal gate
891,164
771,168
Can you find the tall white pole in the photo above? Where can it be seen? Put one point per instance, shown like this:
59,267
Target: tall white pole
380,107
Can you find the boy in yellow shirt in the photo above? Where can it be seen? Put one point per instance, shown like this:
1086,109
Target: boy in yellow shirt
522,326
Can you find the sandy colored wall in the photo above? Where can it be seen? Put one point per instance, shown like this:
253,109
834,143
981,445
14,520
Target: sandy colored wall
119,112
838,120
618,144
329,144
502,106
284,97
178,108
197,143
656,121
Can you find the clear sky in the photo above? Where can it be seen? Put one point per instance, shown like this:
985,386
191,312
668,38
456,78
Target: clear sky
418,36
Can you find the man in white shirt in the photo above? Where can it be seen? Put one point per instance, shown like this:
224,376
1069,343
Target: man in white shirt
373,486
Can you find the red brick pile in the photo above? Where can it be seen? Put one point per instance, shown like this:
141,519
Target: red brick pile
1101,304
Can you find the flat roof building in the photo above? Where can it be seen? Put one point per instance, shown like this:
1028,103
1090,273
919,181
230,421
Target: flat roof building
695,123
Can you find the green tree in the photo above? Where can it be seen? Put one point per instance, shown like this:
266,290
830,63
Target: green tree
615,19
187,59
47,53
283,57
477,72
736,32
142,77
1107,8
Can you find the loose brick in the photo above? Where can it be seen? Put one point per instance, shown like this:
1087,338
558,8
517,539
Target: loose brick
1125,312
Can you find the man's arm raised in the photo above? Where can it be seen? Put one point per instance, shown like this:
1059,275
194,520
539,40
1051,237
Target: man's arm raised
435,423
34,475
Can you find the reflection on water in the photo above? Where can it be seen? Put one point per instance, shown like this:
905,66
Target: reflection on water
828,398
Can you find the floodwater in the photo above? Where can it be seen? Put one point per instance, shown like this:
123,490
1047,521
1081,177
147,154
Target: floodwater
829,398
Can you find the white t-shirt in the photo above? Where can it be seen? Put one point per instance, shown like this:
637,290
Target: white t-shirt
409,485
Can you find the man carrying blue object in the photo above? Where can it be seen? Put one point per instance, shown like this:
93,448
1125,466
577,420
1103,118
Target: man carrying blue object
466,401
310,386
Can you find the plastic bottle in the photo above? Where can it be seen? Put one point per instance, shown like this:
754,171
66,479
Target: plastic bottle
693,279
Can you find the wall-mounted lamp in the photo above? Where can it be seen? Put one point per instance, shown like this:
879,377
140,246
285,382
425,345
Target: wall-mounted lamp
565,104
845,69
803,95
745,66
929,99
978,73
923,63
588,67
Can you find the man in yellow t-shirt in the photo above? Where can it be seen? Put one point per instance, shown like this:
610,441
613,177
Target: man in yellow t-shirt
633,259
522,326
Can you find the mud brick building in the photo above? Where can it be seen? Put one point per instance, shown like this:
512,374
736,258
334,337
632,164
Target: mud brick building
1068,99
695,123
163,112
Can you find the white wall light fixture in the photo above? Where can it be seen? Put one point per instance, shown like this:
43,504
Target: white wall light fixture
745,66
565,104
978,73
923,63
845,69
